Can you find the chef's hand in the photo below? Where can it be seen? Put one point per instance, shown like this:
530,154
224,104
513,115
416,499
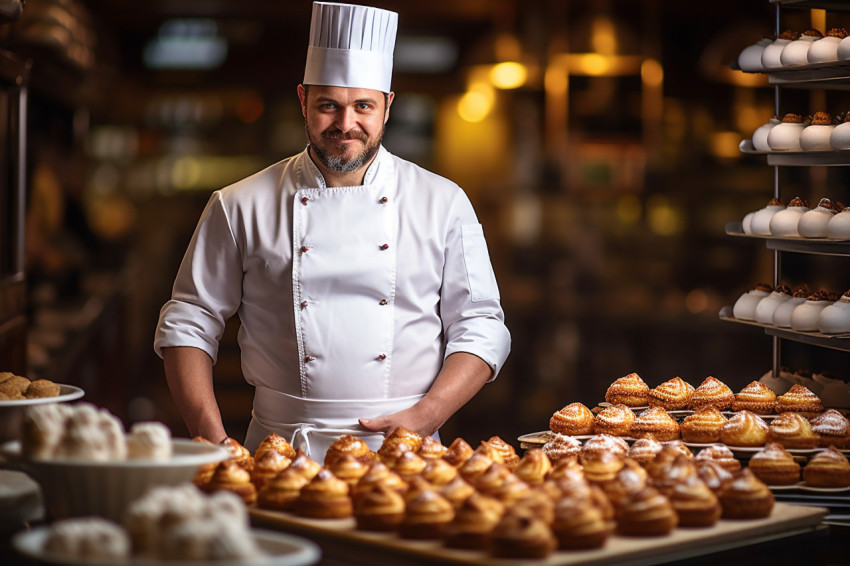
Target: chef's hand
411,419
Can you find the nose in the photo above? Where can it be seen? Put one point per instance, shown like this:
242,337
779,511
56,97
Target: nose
347,119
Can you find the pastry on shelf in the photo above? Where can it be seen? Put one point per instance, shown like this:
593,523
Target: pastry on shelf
774,465
615,420
825,50
561,446
745,306
782,319
744,429
833,428
41,388
492,478
379,474
711,393
538,500
721,454
431,449
629,390
806,317
380,508
459,451
474,522
231,476
509,455
438,472
325,497
839,226
349,469
575,419
305,465
456,491
511,490
84,539
631,478
280,492
519,534
681,468
814,222
647,513
749,59
827,468
601,466
703,426
695,504
267,466
606,442
669,452
712,473
792,430
759,224
767,306
644,449
672,395
772,55
567,469
797,52
408,465
533,466
476,465
427,516
276,443
491,452
799,399
238,453
657,421
835,319
402,434
756,397
785,136
349,444
580,524
744,496
205,471
815,137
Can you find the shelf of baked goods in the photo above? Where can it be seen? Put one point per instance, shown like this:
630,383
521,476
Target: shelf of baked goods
837,5
798,244
836,158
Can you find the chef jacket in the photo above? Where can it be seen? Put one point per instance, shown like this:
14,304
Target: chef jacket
349,298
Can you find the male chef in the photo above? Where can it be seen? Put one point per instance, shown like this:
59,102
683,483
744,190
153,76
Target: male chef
362,282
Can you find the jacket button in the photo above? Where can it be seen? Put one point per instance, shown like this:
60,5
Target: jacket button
309,359
382,357
304,249
304,200
303,304
383,200
383,302
385,246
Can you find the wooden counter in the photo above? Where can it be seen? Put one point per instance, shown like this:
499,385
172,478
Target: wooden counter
342,543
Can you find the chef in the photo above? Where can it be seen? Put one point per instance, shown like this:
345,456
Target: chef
362,282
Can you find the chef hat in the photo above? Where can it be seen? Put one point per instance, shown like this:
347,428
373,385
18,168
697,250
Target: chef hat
351,46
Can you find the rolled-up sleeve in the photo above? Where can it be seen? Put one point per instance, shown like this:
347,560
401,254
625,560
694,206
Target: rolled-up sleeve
208,287
470,306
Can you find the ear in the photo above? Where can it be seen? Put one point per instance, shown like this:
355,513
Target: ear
390,98
302,97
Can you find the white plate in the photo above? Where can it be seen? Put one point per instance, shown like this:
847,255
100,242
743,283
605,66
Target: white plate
66,393
281,550
801,486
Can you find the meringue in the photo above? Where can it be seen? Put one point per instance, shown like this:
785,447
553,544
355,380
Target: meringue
805,317
797,52
839,226
760,222
814,222
840,136
750,57
767,306
745,307
782,314
786,136
816,136
835,319
825,50
771,56
760,135
784,223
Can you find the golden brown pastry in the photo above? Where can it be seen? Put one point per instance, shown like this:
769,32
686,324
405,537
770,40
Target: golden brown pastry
575,419
14,385
664,459
304,465
774,465
601,466
379,474
431,449
657,421
711,393
721,454
457,491
268,466
474,522
408,466
792,430
380,508
606,442
490,451
827,468
832,428
537,500
438,472
238,453
519,534
205,471
276,443
644,449
744,429
629,390
561,446
509,455
631,478
41,388
280,492
756,397
459,452
349,469
476,465
679,470
672,395
580,524
348,444
415,486
325,497
511,490
703,426
427,516
695,504
533,467
744,496
799,399
231,476
492,478
711,473
615,420
647,513
405,435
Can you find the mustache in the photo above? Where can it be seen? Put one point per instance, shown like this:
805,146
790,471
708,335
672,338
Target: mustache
337,134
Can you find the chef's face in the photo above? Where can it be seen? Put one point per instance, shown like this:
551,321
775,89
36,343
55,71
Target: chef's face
344,125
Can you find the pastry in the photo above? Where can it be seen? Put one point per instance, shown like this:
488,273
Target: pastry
711,473
380,508
774,465
827,468
664,459
681,468
615,420
491,479
631,478
408,465
267,466
87,538
519,534
280,492
760,225
474,522
567,469
759,140
756,397
806,317
149,441
672,395
839,226
41,388
782,317
538,500
325,497
231,476
533,467
749,59
768,305
238,453
575,419
784,223
600,466
349,469
703,426
695,504
490,451
647,513
427,516
797,52
721,454
815,137
799,399
459,451
42,428
457,491
349,444
277,443
606,442
771,56
405,435
629,390
509,455
379,474
785,136
561,446
644,449
14,385
746,304
438,472
476,465
304,465
657,421
835,318
792,430
832,428
744,496
511,490
814,222
580,524
744,429
431,449
825,50
711,393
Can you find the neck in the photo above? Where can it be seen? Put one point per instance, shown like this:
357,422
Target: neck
335,179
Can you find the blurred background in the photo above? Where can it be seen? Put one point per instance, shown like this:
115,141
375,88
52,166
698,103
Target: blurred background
597,140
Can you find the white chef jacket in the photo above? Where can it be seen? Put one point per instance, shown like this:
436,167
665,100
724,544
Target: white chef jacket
349,298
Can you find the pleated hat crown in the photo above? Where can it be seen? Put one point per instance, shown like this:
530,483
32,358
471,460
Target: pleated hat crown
351,46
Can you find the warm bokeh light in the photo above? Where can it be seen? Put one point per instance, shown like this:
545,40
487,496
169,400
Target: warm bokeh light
696,301
477,102
725,145
594,64
664,219
628,209
651,73
603,38
508,75
249,108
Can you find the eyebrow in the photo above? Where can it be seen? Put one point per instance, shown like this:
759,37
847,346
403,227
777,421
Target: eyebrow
358,101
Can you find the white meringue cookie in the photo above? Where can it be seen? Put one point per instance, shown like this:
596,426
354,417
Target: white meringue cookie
760,135
805,317
745,307
797,52
814,222
750,57
784,223
839,226
771,56
760,222
835,319
767,306
782,314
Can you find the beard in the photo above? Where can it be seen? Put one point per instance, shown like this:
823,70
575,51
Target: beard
322,143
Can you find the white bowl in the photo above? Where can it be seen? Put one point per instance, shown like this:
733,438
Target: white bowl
12,412
77,488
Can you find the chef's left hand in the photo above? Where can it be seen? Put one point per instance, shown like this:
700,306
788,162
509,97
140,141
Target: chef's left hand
411,419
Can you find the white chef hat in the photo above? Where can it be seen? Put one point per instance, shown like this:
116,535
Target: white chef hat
351,46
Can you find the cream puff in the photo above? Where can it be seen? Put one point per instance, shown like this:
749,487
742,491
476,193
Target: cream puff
825,50
805,317
749,59
771,57
797,52
839,226
835,318
783,312
745,306
766,308
784,223
815,136
814,222
786,135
